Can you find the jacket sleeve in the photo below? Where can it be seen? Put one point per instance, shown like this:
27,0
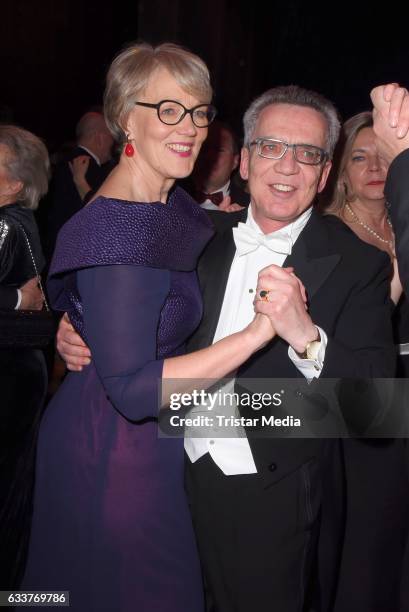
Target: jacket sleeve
121,310
8,248
8,298
362,343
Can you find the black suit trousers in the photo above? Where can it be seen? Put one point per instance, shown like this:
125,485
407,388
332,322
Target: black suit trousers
256,542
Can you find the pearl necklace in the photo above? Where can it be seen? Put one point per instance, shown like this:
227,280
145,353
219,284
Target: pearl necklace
390,243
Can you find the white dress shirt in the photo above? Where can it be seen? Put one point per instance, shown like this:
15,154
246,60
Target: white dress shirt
94,157
233,454
19,298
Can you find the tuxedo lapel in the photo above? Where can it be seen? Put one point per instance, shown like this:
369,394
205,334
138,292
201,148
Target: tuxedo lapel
213,273
313,258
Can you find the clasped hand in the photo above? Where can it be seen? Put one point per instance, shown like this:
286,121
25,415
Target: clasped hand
284,301
391,119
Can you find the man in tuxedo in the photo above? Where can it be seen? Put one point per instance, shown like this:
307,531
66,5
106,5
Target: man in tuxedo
211,183
259,505
262,507
93,147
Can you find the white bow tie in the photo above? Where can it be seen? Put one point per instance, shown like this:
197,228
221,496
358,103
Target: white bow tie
247,240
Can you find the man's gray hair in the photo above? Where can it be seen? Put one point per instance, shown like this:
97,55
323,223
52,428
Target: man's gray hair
297,96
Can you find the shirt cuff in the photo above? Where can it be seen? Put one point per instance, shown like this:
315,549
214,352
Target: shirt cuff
310,368
19,296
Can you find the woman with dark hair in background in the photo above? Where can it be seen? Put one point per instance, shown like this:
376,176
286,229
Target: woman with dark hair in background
24,170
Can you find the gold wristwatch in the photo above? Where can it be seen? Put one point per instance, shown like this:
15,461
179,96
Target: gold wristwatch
312,348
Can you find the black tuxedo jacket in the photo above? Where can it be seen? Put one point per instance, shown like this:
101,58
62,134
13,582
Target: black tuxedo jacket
347,283
397,195
63,198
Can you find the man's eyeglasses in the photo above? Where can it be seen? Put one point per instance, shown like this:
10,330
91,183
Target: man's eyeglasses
272,148
171,112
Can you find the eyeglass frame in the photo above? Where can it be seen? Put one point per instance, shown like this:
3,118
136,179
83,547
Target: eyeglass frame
187,111
257,142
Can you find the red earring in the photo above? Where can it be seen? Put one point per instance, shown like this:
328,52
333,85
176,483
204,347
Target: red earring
129,150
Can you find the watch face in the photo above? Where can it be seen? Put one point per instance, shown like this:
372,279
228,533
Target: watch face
313,349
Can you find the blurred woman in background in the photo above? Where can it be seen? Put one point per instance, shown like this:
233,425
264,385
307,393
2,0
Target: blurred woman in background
24,172
360,202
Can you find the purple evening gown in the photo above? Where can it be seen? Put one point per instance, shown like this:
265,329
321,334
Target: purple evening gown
111,521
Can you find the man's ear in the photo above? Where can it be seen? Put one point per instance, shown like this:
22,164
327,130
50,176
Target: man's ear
324,176
236,161
244,163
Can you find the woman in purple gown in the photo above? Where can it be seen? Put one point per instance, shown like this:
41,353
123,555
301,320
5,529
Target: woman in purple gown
111,522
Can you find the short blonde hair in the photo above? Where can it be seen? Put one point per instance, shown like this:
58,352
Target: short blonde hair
130,71
349,132
28,162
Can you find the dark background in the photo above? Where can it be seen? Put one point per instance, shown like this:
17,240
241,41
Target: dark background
55,52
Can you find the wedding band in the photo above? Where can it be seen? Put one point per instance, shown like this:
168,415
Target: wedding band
264,295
